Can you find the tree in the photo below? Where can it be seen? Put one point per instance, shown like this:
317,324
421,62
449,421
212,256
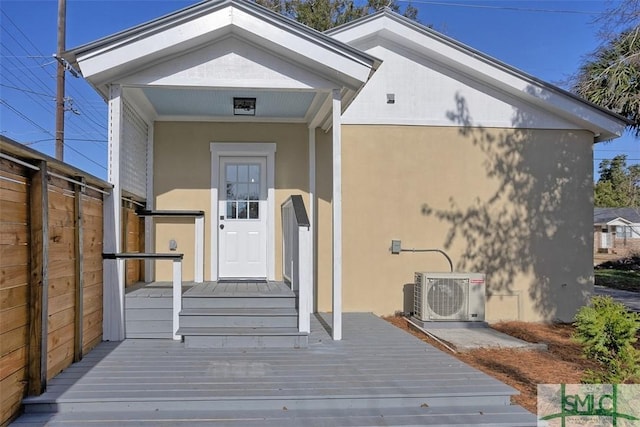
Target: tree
325,14
610,76
619,184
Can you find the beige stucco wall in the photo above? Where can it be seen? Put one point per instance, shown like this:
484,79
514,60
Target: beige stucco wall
324,245
513,204
182,179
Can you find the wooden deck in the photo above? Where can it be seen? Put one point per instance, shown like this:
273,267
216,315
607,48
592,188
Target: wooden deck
377,375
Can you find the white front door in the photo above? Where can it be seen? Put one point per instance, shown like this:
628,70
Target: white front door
242,217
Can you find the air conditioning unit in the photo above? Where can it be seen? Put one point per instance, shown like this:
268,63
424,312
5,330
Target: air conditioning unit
449,296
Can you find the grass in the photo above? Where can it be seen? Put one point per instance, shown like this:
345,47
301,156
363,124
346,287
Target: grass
618,279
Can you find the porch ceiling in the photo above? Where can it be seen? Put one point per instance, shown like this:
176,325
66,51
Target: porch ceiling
211,103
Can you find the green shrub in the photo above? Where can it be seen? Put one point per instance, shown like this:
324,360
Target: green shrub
607,331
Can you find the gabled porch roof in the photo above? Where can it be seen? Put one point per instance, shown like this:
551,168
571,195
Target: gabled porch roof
226,48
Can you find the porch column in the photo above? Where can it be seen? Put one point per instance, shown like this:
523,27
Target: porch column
337,217
312,201
113,273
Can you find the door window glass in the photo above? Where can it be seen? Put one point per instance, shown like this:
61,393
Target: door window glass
243,190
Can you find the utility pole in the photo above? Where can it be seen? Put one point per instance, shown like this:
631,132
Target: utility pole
62,24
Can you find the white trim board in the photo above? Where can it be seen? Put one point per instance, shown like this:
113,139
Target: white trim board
244,149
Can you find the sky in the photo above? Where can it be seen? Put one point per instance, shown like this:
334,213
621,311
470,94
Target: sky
545,38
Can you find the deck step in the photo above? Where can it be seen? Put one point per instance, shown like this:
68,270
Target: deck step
226,302
322,401
498,416
248,317
237,337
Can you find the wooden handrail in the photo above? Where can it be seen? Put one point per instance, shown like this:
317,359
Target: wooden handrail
300,212
174,213
140,255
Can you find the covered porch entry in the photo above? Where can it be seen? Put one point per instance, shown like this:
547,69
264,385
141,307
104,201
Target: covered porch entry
223,108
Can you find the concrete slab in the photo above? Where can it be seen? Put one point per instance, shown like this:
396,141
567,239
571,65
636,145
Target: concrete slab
465,338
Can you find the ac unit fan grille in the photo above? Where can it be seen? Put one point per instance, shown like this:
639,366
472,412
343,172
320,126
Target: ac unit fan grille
447,298
417,296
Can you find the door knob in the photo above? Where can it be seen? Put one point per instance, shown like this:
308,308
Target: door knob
221,226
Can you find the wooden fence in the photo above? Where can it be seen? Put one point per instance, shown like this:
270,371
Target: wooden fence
51,225
132,241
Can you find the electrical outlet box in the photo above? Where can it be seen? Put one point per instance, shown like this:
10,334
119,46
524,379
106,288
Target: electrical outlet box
396,246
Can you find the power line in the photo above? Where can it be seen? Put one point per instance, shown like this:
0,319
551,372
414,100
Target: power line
83,155
88,140
23,116
35,78
33,45
91,125
637,160
88,113
26,90
100,126
82,131
510,8
38,101
89,116
66,139
23,34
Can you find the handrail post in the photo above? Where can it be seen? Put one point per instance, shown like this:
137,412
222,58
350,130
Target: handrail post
305,278
177,297
199,255
298,256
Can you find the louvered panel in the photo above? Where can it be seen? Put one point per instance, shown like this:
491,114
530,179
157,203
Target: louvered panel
133,162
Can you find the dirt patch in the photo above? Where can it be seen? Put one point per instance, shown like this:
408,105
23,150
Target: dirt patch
523,369
630,263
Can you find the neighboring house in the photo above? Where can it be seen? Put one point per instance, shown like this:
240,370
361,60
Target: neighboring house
388,129
616,230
